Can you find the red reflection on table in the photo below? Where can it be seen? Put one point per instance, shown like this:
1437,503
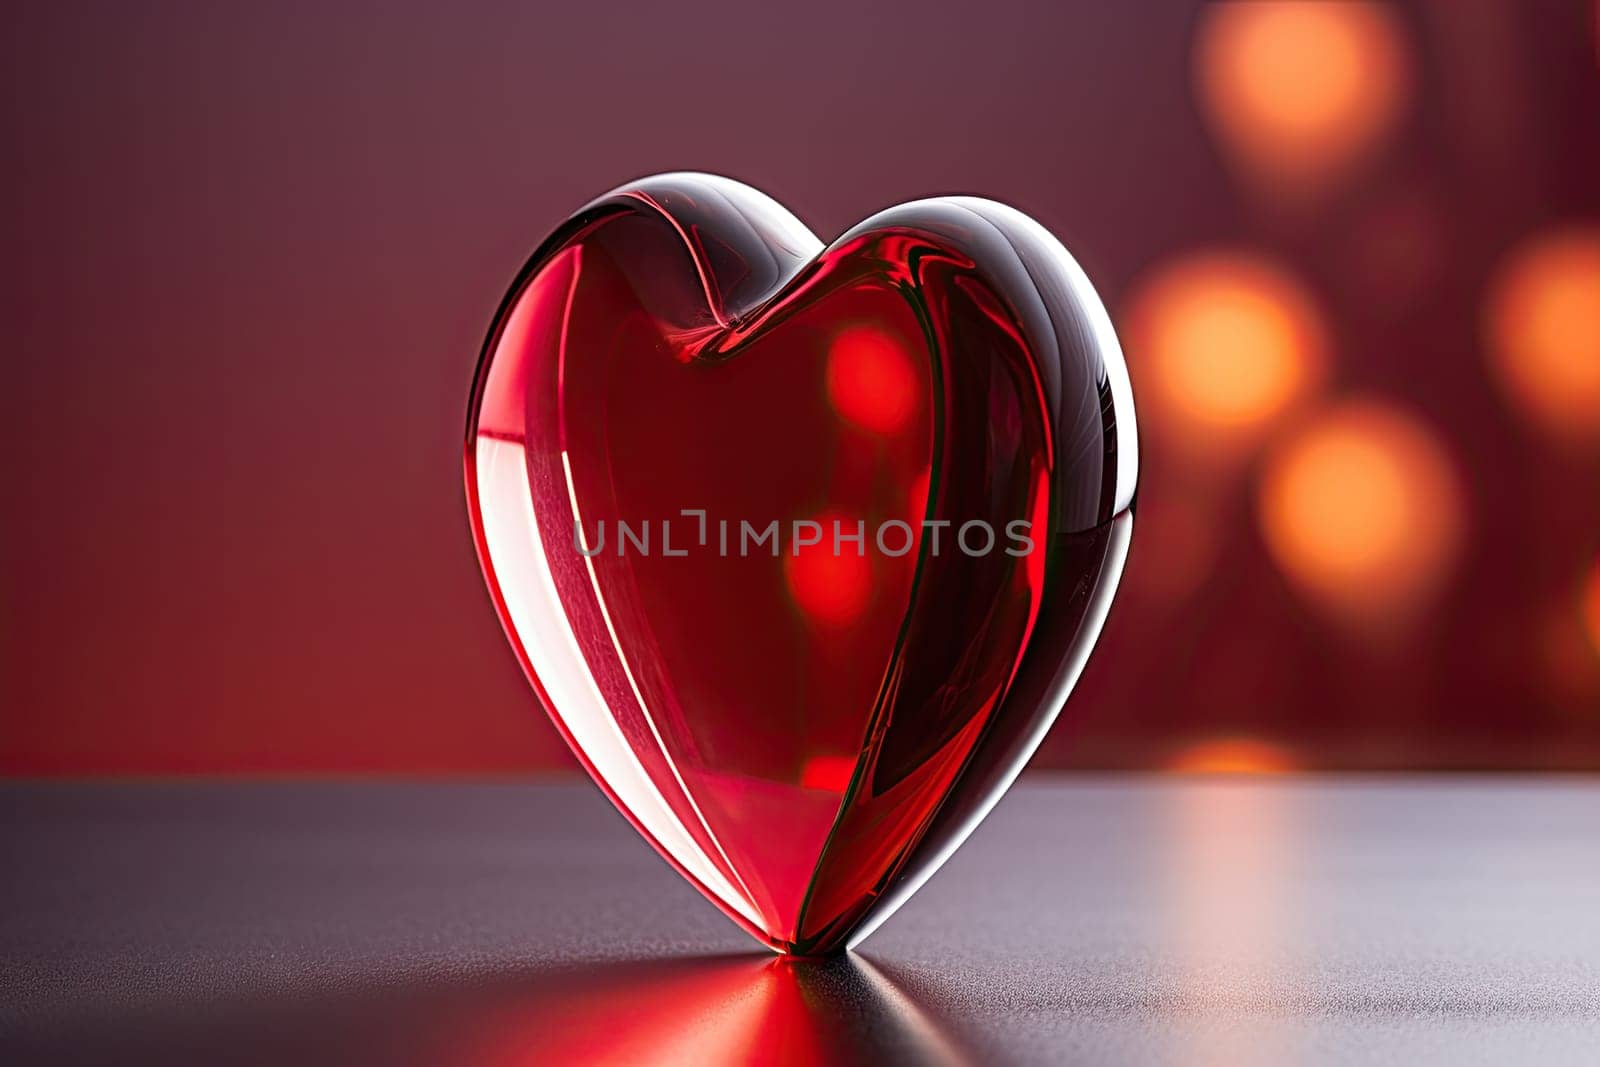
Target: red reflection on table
707,1013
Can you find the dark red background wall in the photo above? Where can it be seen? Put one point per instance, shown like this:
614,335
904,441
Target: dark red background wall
251,252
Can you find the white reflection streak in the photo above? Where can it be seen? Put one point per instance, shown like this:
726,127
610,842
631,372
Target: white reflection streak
522,571
638,696
1234,919
932,1045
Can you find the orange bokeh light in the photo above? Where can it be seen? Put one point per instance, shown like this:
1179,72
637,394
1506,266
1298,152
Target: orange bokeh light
1544,331
1233,755
1299,90
1222,345
1363,510
870,380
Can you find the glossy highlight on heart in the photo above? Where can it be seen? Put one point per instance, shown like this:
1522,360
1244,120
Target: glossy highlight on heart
801,546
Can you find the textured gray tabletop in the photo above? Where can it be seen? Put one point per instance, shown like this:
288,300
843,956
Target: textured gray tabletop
1091,920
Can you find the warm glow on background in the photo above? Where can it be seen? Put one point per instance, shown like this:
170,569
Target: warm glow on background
1591,606
1233,755
1186,527
235,539
1544,331
1222,344
1363,510
1298,91
1569,655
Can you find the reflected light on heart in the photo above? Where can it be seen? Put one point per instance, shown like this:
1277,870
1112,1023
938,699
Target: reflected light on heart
1233,755
1224,345
1543,329
546,636
870,381
832,589
1298,92
1363,510
828,772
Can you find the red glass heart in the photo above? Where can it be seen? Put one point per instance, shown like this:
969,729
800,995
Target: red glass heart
804,724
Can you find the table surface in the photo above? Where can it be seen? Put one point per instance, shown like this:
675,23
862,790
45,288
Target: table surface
1093,919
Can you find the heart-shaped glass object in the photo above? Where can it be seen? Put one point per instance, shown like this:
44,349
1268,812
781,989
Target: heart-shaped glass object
802,546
